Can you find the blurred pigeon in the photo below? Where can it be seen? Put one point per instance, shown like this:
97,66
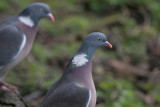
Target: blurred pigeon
17,35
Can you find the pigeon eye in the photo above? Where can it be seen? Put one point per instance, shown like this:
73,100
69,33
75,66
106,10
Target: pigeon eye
99,40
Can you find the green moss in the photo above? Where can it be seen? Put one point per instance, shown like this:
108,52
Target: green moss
23,3
76,24
134,49
52,28
119,93
4,5
41,52
156,95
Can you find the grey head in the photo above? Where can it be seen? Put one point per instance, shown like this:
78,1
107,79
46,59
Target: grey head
97,39
36,11
87,49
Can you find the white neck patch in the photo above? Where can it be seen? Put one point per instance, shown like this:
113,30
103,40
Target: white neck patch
80,60
26,20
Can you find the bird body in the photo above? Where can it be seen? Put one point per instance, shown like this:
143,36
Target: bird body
73,91
15,43
17,35
76,88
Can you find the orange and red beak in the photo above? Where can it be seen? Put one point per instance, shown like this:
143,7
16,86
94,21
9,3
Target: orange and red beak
108,44
51,17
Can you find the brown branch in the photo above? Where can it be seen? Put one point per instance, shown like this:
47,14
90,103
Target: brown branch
10,99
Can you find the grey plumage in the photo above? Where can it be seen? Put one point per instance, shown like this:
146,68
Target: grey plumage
76,87
12,47
17,35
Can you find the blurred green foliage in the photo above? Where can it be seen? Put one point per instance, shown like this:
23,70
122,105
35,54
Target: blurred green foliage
127,23
3,5
76,24
119,93
151,5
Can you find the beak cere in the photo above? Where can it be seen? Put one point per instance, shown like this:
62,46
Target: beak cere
51,17
108,44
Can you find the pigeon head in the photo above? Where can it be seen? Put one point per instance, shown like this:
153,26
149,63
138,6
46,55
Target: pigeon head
97,39
88,47
36,11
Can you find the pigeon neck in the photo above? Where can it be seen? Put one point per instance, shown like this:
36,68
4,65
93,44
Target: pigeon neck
82,57
86,49
26,20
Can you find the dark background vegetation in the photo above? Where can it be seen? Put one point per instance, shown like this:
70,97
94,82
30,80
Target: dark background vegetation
126,76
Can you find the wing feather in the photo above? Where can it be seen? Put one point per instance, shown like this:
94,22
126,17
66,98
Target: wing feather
11,40
68,95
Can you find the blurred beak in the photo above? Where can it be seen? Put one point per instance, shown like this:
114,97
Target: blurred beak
51,17
108,44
